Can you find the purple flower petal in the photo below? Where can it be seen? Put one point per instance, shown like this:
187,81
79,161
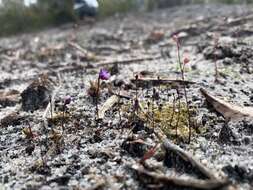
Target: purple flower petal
67,100
104,74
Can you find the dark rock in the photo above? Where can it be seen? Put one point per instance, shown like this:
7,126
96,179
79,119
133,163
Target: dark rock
246,140
11,119
9,98
62,180
72,169
5,179
118,82
96,138
139,125
226,135
238,173
114,70
37,94
135,148
85,170
29,149
41,169
228,61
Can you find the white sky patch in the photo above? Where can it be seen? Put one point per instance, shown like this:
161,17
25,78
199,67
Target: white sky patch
92,3
29,2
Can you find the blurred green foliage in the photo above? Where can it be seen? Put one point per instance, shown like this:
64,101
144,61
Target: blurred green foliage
16,18
111,7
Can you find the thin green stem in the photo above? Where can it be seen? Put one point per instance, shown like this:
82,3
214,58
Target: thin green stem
185,91
97,96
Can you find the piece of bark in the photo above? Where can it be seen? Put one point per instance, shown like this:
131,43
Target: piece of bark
179,181
37,94
9,98
227,110
239,21
145,82
107,105
11,119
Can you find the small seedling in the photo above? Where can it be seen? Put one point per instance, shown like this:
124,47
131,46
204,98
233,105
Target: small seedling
153,107
150,153
173,109
119,106
29,134
178,114
51,106
136,86
93,89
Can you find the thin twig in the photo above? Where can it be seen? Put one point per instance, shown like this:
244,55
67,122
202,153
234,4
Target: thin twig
128,61
182,182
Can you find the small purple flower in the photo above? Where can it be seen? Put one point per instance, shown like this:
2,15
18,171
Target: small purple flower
104,74
67,100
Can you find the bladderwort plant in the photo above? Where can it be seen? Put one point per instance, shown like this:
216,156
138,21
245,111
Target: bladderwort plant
103,75
182,72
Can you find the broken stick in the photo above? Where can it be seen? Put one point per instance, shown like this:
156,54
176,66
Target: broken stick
182,182
144,82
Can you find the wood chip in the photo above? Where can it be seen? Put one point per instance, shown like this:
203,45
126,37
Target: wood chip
9,98
107,105
12,119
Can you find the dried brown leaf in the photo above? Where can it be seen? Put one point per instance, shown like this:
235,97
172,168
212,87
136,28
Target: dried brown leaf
228,110
107,105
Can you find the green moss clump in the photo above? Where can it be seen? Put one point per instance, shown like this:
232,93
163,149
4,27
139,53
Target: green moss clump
172,121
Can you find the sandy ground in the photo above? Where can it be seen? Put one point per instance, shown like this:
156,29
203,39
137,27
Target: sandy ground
74,151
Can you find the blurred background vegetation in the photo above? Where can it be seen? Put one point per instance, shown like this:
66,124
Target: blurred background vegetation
15,17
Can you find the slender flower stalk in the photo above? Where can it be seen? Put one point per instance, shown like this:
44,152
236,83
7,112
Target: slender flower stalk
136,91
119,106
67,101
173,109
181,66
103,75
51,106
216,43
153,108
178,115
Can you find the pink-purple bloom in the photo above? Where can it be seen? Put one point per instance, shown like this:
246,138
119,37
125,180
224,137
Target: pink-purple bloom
104,74
67,100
